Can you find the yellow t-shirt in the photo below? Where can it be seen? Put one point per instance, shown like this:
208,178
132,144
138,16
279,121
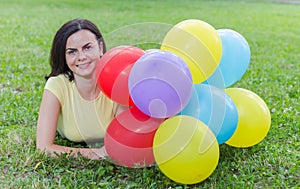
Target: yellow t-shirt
80,120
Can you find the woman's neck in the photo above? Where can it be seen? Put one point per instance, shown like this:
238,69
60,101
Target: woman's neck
87,87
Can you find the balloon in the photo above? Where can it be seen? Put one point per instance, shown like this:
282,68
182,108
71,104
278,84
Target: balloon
216,79
185,149
160,84
235,59
198,44
151,50
215,108
129,138
113,71
254,118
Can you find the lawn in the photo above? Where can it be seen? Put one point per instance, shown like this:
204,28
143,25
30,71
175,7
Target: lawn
271,28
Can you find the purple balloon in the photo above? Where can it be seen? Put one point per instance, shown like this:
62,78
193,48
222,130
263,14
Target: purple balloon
160,84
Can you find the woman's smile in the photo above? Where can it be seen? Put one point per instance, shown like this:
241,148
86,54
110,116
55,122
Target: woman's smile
84,65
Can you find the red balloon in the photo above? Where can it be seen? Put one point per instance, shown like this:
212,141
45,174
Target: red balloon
129,138
113,71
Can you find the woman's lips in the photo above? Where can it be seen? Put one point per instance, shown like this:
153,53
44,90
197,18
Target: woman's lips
83,65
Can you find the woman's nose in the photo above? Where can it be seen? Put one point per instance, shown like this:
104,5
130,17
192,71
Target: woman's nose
81,55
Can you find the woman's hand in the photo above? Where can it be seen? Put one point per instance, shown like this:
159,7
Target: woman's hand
93,153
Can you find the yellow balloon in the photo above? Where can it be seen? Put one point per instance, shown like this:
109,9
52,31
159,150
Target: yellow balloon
198,44
185,149
254,119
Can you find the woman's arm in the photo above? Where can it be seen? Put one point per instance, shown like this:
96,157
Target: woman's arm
46,131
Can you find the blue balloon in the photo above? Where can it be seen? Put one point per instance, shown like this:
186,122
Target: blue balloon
216,79
234,61
215,108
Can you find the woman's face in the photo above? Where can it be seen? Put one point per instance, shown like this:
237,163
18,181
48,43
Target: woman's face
83,53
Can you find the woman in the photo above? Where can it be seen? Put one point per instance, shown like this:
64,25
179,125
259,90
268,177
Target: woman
72,103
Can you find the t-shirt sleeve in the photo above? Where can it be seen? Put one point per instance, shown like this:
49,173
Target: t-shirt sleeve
55,85
115,108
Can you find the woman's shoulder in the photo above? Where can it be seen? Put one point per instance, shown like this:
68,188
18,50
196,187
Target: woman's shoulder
58,78
59,85
59,82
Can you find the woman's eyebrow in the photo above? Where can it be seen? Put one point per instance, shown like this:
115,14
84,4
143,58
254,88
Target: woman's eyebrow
71,49
89,43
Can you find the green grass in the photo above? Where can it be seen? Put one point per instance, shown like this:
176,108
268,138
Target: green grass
26,31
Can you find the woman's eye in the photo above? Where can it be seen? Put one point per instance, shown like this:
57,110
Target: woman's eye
71,52
88,47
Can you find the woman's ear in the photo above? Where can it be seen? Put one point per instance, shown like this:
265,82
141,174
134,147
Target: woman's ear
101,48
